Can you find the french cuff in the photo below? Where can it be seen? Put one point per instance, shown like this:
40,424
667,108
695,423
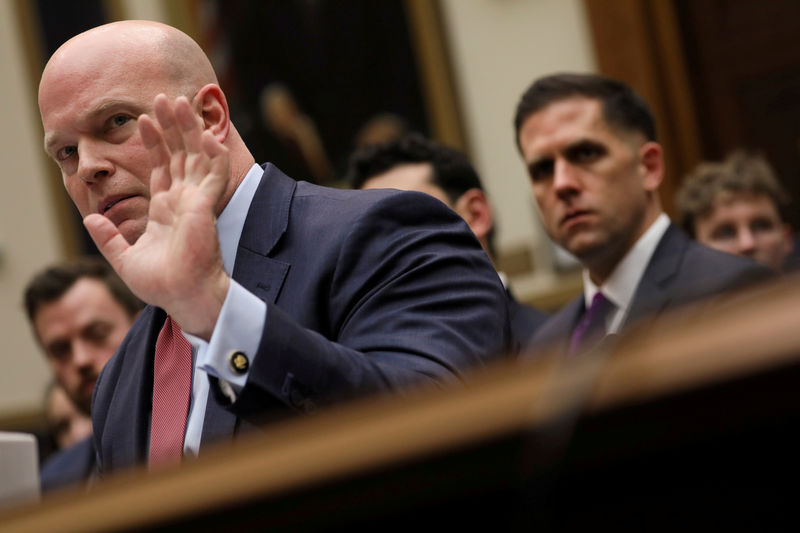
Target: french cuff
235,339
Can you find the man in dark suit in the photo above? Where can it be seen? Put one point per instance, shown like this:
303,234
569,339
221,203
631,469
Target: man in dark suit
291,296
79,312
589,145
414,163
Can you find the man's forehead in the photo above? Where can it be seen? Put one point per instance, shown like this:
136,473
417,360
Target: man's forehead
565,116
568,122
753,199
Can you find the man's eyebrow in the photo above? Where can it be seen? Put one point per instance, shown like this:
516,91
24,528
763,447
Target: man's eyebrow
583,141
50,140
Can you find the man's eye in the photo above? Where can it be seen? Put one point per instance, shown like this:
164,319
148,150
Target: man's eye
585,152
724,233
66,152
119,120
761,225
58,350
97,332
540,170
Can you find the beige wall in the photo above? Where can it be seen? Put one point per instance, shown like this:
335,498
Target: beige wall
27,225
498,48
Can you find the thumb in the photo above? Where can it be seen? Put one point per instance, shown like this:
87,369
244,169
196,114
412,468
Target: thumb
107,237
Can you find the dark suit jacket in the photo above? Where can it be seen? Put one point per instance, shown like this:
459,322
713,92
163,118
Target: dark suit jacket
69,467
365,291
525,320
679,272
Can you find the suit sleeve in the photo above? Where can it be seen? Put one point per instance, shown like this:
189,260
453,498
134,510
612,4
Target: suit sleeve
406,295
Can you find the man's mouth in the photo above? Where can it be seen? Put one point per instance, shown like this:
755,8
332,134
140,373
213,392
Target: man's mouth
88,386
573,215
107,203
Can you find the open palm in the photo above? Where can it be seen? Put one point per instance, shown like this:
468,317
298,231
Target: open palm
175,264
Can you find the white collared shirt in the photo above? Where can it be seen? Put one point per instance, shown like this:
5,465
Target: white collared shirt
623,281
241,320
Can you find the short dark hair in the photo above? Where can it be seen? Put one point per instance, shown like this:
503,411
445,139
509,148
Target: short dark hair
622,107
740,173
54,281
452,171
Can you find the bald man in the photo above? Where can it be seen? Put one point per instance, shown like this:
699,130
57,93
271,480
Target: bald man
291,296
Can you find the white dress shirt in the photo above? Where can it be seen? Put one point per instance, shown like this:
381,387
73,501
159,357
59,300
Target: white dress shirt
623,281
240,323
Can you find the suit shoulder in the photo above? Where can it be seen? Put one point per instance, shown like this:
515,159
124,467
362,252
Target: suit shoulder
557,327
525,320
722,266
344,207
69,466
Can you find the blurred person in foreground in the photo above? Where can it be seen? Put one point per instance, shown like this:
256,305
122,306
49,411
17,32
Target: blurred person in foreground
589,145
737,206
415,163
267,296
79,312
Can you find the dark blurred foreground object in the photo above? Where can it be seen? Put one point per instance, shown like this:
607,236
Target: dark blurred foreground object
692,424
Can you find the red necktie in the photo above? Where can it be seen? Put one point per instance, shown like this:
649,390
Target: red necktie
172,383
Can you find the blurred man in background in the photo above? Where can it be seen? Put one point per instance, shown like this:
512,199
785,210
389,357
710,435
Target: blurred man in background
414,163
79,312
737,206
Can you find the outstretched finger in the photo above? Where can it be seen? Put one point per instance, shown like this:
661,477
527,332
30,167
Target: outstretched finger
219,165
165,113
108,239
188,122
195,161
157,151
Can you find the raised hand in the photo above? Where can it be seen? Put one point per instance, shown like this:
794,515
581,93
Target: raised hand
175,264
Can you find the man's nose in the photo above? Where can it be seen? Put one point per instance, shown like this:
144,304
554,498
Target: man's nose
565,180
92,162
745,241
82,355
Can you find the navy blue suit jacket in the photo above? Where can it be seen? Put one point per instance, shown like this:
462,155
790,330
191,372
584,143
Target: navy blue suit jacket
680,271
525,320
365,291
69,467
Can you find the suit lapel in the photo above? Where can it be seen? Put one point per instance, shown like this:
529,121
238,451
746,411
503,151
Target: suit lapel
267,221
557,330
654,292
131,441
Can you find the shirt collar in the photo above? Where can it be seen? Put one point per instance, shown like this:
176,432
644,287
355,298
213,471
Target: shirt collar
622,283
231,221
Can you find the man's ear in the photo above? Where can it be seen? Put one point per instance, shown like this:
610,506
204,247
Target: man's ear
473,206
212,107
651,164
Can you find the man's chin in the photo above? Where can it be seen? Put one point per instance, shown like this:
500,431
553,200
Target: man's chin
584,245
84,405
131,230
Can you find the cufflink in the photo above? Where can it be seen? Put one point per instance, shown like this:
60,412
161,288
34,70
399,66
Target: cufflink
239,362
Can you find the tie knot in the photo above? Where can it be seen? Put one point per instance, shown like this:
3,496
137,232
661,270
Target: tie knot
600,305
592,326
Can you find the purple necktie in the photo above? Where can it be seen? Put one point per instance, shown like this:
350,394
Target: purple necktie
592,326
